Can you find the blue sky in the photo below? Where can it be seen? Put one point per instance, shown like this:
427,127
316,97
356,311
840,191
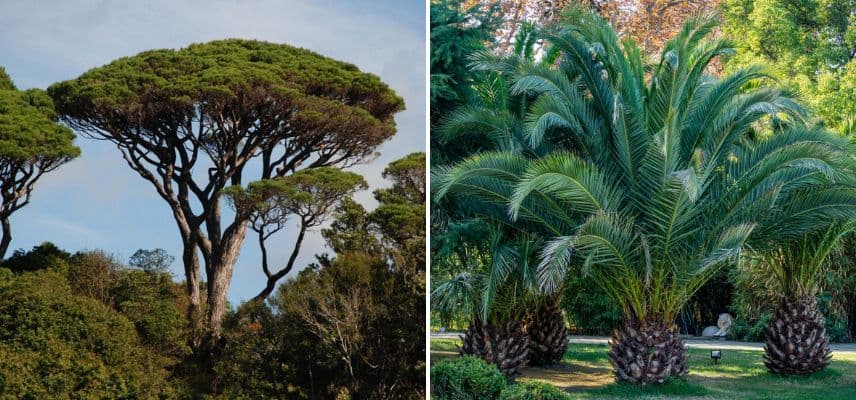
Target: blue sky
97,202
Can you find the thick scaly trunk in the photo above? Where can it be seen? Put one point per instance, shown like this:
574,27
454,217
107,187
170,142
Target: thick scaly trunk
221,265
7,237
647,351
796,341
503,344
548,335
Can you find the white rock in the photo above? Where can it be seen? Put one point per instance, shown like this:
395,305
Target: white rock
710,331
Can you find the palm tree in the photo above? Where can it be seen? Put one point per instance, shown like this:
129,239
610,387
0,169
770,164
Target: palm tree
494,120
495,290
796,340
660,181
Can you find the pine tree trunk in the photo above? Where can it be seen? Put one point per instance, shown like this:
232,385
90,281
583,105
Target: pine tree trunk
219,279
548,335
647,351
190,259
796,341
7,237
503,344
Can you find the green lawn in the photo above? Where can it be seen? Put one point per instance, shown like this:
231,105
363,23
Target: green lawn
586,374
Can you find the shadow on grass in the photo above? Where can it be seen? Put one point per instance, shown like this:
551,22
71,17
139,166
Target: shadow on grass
672,388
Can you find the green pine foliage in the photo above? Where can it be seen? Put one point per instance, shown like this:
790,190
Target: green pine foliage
32,144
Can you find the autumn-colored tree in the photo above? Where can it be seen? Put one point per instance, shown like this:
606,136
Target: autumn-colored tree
650,22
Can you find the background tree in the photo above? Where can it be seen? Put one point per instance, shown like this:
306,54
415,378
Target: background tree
31,145
457,33
356,313
309,196
42,256
810,44
224,110
649,22
155,260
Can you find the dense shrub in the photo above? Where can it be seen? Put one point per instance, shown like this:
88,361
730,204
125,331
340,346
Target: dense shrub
533,391
45,255
835,320
259,358
588,308
148,298
55,342
750,330
152,301
94,274
466,378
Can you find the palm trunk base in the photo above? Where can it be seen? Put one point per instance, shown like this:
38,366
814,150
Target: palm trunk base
796,342
503,344
647,352
548,335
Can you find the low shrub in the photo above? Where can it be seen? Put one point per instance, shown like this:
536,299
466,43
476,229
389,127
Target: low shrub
589,310
466,378
533,391
750,331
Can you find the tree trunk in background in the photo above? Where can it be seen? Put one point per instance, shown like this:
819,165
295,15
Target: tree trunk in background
7,237
851,314
190,259
796,342
503,344
647,351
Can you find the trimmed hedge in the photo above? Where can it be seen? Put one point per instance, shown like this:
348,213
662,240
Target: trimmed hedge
466,378
533,391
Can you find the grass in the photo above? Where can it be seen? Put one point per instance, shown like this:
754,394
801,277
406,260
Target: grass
585,373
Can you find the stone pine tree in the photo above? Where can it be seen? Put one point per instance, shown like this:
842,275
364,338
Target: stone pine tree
31,145
195,121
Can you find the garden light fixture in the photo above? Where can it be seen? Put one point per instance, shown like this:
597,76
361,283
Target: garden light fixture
715,355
